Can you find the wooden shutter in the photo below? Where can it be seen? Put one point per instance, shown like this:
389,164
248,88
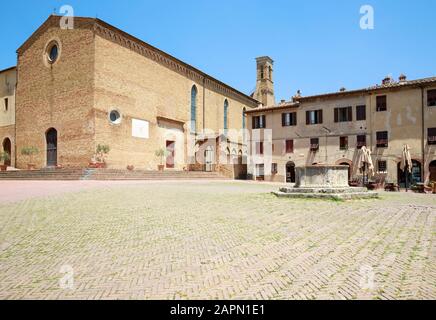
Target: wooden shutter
307,117
336,114
320,116
283,119
264,121
295,119
350,113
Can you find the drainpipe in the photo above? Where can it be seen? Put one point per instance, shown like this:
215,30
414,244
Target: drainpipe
204,104
423,135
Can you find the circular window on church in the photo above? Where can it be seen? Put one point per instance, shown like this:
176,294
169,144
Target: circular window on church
52,52
115,117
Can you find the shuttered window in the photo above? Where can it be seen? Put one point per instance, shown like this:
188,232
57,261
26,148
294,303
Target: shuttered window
259,122
382,104
289,119
314,117
431,136
344,114
382,139
431,98
361,113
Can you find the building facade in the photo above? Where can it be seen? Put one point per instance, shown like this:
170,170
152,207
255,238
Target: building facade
331,128
8,79
95,84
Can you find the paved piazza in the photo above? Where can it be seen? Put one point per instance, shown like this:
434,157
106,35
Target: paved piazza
211,240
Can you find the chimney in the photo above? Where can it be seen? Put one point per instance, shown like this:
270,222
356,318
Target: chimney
343,89
402,78
387,80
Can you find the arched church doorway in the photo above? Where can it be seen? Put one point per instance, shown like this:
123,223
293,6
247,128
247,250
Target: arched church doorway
52,147
290,172
7,147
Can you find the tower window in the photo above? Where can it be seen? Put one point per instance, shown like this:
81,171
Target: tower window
6,104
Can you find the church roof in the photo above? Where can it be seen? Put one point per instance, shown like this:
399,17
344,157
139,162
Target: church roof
141,47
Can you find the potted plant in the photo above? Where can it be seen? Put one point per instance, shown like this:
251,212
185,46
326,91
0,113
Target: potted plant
30,152
130,168
161,154
4,156
99,159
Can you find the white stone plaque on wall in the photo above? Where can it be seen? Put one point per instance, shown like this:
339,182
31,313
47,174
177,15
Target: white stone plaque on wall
140,129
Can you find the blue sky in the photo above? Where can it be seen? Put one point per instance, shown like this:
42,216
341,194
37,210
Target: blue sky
317,45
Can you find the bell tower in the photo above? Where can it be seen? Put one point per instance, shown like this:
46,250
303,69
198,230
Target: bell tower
265,83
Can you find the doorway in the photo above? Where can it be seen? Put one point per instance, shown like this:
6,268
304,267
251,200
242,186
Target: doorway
171,154
349,169
413,178
7,147
432,169
290,172
52,147
209,159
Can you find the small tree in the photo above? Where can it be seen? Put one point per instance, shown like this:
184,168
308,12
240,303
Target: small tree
161,154
30,152
101,152
4,156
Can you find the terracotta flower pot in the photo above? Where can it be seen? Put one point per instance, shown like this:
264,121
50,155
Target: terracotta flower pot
31,166
130,168
3,167
161,167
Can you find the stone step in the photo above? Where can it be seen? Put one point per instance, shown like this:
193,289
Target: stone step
323,190
329,196
106,174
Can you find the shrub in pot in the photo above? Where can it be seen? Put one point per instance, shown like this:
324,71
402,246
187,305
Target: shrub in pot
99,159
161,154
4,156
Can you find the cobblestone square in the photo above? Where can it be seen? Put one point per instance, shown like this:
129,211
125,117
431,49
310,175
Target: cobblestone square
214,240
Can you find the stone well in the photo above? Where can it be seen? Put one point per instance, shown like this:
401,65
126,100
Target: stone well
324,182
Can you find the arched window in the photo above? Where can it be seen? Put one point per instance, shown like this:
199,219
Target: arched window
226,116
194,92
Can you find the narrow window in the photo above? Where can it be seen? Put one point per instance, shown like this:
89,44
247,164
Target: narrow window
226,110
431,98
289,146
194,92
382,104
343,143
361,141
382,139
361,113
431,136
6,104
314,144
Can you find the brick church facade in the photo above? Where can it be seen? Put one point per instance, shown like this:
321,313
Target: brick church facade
95,84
